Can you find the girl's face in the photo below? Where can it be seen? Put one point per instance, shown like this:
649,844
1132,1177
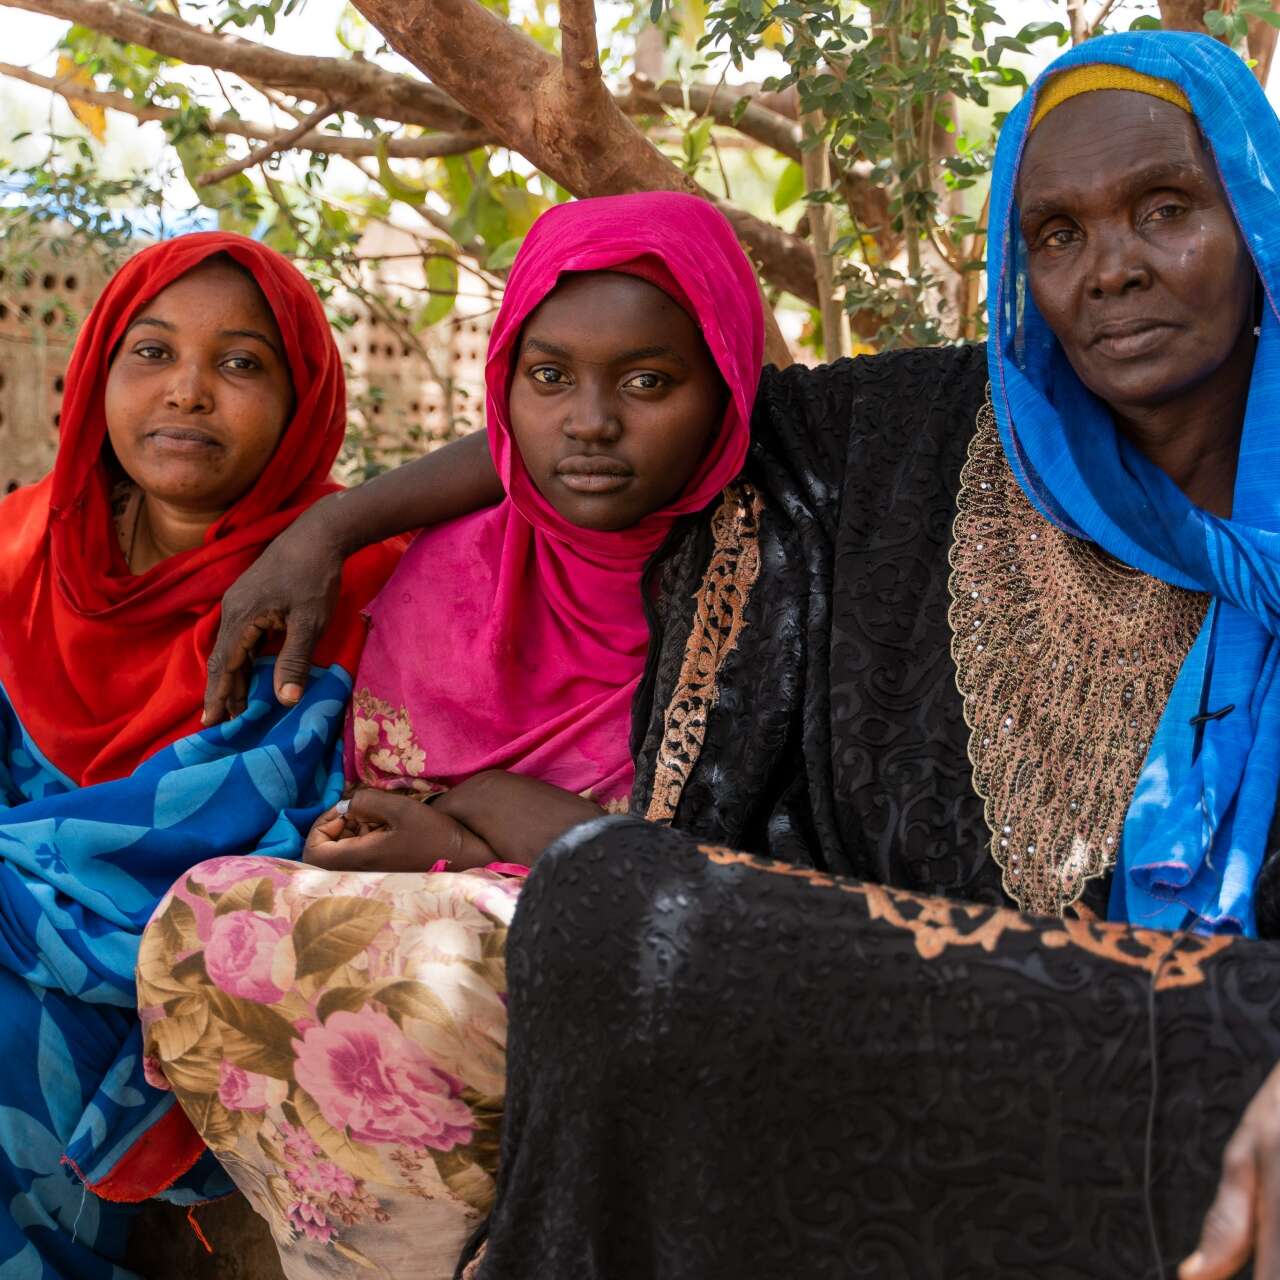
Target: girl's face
199,391
614,399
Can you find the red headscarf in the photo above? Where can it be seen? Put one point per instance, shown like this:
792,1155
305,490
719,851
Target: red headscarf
537,635
103,667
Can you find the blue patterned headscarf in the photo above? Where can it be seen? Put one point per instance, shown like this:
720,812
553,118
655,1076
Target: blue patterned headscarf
1196,831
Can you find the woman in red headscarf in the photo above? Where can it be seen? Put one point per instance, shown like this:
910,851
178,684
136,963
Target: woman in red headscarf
506,652
205,405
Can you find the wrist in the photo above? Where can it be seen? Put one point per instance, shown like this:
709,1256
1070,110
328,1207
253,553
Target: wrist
326,525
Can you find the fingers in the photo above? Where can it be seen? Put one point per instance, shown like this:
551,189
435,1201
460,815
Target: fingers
1227,1237
293,665
327,828
227,681
381,808
355,853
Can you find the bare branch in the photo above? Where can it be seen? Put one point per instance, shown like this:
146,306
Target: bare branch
817,177
283,142
366,88
1261,43
465,49
579,53
334,144
1104,12
719,102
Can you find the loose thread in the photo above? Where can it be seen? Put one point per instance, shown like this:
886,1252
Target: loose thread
1149,1152
195,1226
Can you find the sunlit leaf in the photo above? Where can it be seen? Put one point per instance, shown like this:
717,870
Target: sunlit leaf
93,117
790,187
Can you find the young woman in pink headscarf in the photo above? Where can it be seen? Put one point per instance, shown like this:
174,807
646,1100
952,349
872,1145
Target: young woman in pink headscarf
343,1048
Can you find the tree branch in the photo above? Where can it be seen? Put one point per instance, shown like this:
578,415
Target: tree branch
1261,43
579,52
719,102
465,50
334,144
817,177
364,87
283,142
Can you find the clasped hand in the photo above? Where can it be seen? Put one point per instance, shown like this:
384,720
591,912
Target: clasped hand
492,817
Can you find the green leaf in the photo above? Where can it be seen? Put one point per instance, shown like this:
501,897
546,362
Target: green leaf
504,255
790,187
394,184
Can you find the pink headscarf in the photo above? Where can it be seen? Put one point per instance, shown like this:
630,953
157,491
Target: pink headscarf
511,638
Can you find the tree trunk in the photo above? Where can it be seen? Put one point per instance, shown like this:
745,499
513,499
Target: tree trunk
557,113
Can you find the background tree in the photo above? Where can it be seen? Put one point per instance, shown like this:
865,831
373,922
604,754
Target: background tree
854,175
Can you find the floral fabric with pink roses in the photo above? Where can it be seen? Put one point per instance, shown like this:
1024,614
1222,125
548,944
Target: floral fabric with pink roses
339,1042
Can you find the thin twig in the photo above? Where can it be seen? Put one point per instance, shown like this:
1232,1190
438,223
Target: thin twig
426,147
1103,13
282,142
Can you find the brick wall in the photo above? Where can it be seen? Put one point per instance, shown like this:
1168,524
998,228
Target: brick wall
399,404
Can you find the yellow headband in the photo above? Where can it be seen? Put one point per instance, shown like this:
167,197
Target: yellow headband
1103,75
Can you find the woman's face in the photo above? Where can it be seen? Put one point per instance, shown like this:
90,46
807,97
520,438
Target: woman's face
614,399
199,391
1134,258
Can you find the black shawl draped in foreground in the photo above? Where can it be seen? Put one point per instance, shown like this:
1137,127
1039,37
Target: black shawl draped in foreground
722,1068
729,1069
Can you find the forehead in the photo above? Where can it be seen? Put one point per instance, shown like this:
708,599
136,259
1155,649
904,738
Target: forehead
1091,143
215,287
608,304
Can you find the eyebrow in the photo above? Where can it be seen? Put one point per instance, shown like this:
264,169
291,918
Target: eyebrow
156,322
1153,175
636,353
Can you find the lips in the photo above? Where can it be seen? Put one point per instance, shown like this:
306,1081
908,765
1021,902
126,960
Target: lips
177,439
589,473
1129,339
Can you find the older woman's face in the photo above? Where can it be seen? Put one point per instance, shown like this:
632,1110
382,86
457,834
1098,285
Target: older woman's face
1134,258
199,392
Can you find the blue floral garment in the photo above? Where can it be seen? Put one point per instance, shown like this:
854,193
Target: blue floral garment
81,870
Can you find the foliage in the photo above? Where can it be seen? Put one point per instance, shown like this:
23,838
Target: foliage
880,87
900,99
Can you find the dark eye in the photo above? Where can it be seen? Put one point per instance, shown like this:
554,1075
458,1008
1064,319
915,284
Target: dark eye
150,351
241,364
1058,239
1164,212
645,381
547,375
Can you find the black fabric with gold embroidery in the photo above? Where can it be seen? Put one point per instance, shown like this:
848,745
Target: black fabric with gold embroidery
838,739
724,1069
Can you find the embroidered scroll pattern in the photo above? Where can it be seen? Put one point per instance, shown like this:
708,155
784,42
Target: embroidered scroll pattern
1065,659
718,619
938,925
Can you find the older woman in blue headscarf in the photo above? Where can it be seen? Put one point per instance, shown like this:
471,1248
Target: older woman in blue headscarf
1036,646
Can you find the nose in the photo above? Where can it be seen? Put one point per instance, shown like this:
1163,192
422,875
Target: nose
1117,265
188,390
592,416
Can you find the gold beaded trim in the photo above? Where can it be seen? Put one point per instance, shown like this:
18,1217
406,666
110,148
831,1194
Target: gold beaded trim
718,619
1065,659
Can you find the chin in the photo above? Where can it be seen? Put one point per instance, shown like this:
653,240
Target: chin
1145,384
599,522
